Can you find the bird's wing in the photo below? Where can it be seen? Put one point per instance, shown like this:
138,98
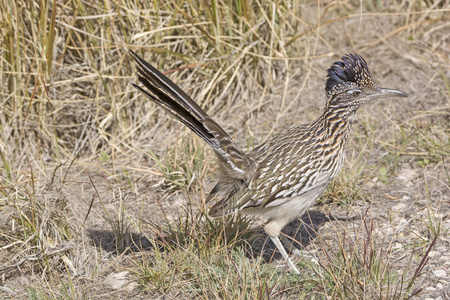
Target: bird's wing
285,171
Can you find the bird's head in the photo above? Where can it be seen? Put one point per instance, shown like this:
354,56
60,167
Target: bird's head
350,84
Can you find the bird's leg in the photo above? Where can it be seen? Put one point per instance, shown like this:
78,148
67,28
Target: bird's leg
288,242
280,247
297,252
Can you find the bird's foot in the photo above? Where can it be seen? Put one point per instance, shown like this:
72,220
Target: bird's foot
288,260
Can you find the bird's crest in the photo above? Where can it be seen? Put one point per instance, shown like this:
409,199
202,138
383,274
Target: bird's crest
345,74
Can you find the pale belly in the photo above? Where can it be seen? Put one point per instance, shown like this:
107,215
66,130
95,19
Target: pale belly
288,208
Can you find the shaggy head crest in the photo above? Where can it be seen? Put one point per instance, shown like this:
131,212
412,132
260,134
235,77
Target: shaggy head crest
344,74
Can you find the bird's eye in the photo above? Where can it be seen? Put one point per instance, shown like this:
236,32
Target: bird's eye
356,93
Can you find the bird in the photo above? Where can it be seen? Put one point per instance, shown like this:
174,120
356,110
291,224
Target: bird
281,178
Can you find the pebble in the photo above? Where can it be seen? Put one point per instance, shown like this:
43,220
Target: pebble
397,246
117,280
439,273
406,174
403,222
433,253
399,207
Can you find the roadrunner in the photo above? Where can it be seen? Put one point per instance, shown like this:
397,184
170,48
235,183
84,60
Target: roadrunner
280,179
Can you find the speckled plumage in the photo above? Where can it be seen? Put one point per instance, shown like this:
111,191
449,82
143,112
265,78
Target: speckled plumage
281,178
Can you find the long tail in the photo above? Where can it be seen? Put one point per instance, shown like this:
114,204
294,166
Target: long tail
165,93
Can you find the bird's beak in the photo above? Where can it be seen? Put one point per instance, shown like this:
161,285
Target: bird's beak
385,93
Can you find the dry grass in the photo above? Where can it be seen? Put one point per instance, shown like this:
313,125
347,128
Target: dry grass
96,180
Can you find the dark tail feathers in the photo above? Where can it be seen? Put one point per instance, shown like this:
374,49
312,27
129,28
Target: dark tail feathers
165,93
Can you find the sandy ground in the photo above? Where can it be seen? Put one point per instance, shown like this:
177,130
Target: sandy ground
399,208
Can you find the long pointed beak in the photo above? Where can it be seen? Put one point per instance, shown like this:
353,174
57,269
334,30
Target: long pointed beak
391,93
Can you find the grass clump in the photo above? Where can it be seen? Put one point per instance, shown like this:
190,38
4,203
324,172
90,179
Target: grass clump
184,165
214,259
80,192
363,266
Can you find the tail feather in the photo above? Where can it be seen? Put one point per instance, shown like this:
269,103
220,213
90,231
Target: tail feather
166,94
160,81
175,110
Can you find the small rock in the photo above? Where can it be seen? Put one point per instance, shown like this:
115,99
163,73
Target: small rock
439,273
430,289
439,286
399,207
369,184
403,222
433,253
117,280
406,174
397,246
131,287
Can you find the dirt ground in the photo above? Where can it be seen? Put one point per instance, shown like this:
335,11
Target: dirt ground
393,191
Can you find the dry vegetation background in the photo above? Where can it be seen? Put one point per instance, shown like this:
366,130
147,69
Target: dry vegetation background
102,194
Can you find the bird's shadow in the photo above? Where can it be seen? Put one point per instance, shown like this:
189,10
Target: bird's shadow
298,234
125,243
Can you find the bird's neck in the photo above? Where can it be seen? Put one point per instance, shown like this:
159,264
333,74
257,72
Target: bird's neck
336,124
